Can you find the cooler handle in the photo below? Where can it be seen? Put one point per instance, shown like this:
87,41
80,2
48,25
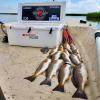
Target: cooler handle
29,30
50,32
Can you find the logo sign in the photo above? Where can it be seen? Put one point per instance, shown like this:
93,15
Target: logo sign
30,35
53,18
40,13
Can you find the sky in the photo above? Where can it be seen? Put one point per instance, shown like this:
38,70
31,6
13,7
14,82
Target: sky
72,6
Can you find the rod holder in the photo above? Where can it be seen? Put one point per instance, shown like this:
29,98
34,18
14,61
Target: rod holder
97,38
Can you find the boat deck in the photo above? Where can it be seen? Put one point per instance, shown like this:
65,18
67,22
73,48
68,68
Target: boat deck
18,62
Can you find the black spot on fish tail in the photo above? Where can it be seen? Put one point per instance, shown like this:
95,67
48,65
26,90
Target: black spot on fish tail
59,88
80,94
46,82
30,78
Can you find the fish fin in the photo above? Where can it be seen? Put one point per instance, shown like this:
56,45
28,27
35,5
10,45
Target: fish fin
80,94
30,78
59,88
46,82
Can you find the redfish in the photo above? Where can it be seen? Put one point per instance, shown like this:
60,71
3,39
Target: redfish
41,69
79,80
63,75
74,59
51,71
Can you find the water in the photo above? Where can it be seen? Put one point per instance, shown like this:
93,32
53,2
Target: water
11,18
95,24
76,17
8,18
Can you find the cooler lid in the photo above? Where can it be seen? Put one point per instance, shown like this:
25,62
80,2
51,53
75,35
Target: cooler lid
42,12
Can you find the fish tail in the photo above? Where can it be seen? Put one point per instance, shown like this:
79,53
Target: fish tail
46,82
80,94
30,78
59,88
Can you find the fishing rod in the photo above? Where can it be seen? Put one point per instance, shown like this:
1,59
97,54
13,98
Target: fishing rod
97,38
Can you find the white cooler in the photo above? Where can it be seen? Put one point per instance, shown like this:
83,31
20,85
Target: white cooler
39,25
36,35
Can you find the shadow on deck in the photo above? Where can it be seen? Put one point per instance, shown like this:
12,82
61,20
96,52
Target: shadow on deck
2,97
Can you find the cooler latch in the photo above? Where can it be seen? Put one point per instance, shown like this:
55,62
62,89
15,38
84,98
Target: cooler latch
29,30
50,32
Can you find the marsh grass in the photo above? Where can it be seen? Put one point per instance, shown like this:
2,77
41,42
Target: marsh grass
94,17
